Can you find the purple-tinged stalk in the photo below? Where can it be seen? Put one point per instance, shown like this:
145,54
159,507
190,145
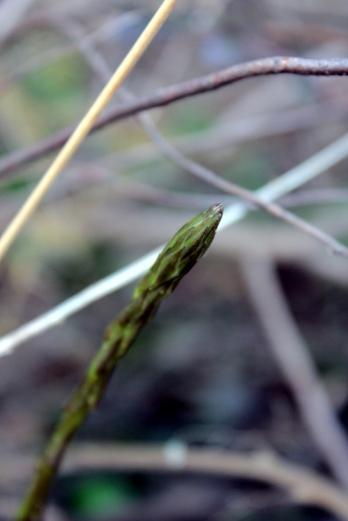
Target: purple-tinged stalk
177,258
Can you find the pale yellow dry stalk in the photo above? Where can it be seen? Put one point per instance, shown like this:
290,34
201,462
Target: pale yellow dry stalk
85,125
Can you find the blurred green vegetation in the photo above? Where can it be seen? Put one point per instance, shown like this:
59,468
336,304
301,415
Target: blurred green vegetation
202,373
93,497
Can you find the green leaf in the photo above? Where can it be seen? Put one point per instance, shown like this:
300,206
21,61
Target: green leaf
95,496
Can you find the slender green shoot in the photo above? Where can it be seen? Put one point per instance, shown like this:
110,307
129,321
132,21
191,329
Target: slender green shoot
177,258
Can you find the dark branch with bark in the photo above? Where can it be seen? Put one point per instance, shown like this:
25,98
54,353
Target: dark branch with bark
174,93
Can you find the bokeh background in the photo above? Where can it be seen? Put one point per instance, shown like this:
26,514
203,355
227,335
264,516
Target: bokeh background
202,374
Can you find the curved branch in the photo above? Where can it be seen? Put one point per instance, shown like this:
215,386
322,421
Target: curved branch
99,65
174,93
304,485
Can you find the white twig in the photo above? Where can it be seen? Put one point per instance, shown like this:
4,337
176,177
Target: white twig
294,178
291,353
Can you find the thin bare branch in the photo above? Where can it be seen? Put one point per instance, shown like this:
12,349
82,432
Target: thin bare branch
221,135
292,356
99,65
294,178
304,486
174,93
301,484
249,197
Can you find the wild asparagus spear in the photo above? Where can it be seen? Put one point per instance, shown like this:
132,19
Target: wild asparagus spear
177,258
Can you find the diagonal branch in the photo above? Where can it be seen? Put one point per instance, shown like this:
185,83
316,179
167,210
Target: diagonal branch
174,93
292,356
99,65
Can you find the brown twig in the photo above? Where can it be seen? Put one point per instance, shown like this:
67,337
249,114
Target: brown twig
174,93
291,353
100,67
303,485
207,175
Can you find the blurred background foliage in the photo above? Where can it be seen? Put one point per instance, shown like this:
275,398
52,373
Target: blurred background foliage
202,372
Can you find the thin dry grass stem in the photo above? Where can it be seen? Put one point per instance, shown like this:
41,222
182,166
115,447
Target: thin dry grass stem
85,126
291,353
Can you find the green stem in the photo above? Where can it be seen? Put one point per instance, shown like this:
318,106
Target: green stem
179,255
